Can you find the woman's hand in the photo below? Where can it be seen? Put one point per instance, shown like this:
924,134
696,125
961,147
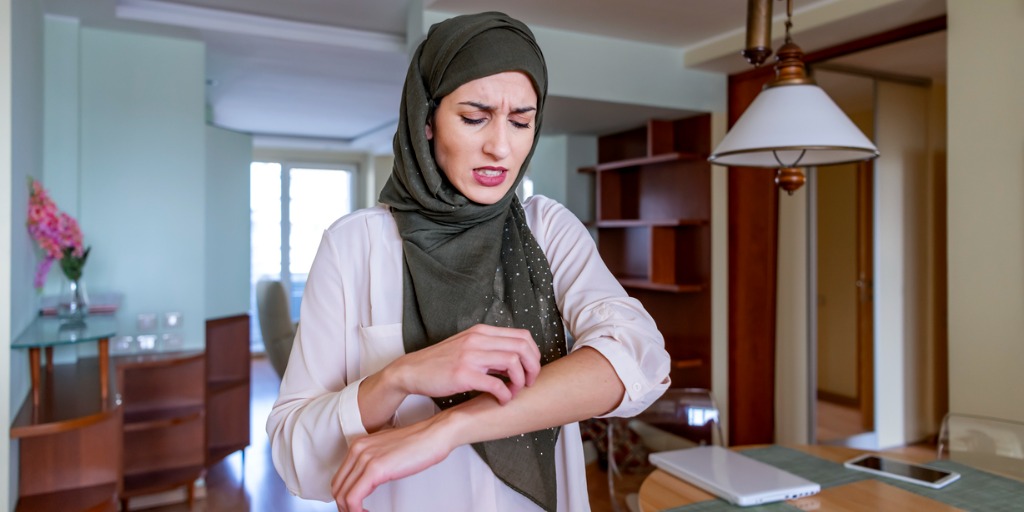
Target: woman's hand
481,358
476,359
389,455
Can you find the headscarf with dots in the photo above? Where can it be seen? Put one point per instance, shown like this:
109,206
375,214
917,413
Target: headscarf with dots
466,263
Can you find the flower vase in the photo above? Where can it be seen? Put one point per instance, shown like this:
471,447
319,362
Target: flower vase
73,301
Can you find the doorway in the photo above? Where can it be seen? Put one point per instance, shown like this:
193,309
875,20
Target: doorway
844,387
879,253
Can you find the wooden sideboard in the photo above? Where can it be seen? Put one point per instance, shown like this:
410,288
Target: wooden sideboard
83,448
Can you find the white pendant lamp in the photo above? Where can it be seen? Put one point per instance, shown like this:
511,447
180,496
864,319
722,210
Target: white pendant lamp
791,124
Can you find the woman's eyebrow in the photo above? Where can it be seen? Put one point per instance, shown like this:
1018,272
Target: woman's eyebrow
489,108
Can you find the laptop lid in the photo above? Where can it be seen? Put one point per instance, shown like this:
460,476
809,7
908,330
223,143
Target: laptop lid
733,476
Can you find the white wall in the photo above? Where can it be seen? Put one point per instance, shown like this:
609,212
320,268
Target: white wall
228,155
986,208
7,498
901,246
554,171
142,173
21,141
791,334
382,165
720,276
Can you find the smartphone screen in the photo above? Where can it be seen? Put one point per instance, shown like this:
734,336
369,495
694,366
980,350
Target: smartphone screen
902,469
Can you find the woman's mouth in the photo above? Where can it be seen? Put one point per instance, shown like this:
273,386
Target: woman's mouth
490,176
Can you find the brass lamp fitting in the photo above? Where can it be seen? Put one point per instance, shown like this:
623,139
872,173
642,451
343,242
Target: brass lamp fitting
759,31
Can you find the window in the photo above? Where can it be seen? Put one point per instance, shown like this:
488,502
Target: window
287,227
525,188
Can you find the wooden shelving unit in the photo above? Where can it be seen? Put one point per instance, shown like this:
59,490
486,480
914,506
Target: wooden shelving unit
163,396
228,387
653,222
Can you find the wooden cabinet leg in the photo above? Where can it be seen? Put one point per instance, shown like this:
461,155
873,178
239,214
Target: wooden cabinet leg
33,369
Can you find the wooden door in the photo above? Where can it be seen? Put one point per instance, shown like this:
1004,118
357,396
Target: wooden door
865,295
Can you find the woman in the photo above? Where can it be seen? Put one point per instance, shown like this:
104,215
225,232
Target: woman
416,380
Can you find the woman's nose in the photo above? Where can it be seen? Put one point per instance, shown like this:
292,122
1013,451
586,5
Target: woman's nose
497,143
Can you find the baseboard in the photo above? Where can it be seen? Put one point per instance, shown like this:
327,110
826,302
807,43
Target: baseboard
838,399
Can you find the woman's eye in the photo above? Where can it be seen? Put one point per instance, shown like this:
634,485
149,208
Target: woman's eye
520,125
471,121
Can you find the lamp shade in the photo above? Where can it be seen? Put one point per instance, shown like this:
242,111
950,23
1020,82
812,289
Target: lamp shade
793,126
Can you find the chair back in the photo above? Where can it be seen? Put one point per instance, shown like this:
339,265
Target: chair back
990,444
681,418
276,325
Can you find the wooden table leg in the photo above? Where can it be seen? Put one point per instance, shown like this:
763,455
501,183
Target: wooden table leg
104,354
49,359
33,368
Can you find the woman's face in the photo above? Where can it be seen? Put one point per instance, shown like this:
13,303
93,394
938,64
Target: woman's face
482,132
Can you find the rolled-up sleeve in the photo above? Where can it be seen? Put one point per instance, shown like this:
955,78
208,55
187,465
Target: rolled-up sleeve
597,311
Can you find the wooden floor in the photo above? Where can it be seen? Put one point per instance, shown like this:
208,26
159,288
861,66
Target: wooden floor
256,487
837,421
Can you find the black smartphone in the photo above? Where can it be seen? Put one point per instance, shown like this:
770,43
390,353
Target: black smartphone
913,473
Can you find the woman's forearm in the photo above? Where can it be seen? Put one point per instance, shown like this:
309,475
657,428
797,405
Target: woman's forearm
497,361
379,398
578,386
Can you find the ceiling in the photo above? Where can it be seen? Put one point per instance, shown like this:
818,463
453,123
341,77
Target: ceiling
329,72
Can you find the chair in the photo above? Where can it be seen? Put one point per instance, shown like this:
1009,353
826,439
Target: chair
990,444
681,418
276,325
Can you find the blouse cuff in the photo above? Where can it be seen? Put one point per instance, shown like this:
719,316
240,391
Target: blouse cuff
637,385
348,412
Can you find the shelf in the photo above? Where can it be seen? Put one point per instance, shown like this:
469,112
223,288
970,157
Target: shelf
70,399
629,282
687,363
216,386
649,160
96,498
163,417
643,223
150,482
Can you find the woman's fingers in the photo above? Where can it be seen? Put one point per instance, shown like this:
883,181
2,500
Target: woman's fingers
512,341
386,456
496,360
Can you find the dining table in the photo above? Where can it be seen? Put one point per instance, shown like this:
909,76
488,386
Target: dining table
842,489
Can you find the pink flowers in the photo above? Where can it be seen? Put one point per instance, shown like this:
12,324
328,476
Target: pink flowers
56,233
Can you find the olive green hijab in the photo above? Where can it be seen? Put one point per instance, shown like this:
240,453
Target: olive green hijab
467,263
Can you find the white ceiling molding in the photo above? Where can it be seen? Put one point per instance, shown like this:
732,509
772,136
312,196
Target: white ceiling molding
237,23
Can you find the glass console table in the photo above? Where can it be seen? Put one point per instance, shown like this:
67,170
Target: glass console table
48,332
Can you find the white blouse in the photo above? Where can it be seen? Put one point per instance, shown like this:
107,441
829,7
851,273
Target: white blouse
351,327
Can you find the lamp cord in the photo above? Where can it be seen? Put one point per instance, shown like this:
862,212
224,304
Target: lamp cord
789,19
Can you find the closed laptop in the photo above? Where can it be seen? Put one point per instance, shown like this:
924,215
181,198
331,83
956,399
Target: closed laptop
733,476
